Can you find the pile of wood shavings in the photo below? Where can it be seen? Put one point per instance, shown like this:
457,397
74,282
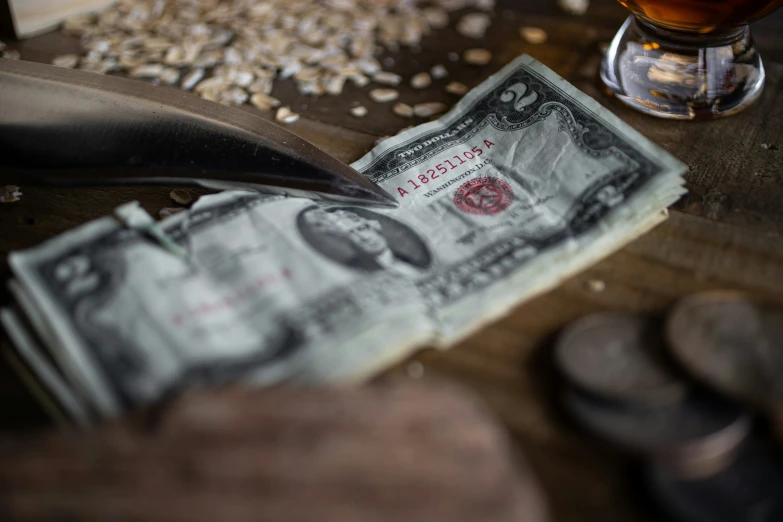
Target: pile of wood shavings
233,51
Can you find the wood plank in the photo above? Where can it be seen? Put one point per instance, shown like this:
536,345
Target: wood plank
726,235
412,453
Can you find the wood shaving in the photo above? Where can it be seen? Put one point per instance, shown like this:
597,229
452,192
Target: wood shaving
242,77
335,84
191,79
368,65
215,83
573,7
169,76
456,88
359,80
11,55
421,80
439,71
384,95
286,115
595,285
263,85
454,57
208,59
10,194
157,44
359,112
67,61
321,44
415,370
477,56
235,96
533,35
473,25
436,17
425,110
264,102
387,78
404,110
152,70
181,196
170,211
175,56
210,95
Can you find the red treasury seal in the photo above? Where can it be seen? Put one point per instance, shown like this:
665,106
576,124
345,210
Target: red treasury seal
483,196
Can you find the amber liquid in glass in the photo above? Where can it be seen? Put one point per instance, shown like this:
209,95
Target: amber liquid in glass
701,16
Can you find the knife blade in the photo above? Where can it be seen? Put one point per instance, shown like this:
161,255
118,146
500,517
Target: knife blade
63,126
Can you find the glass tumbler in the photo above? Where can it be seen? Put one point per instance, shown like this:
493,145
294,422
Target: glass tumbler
687,59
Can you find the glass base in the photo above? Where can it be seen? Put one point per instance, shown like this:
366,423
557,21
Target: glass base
684,77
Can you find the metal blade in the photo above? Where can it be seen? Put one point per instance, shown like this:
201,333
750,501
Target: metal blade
73,127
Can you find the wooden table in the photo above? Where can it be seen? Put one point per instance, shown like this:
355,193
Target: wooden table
726,233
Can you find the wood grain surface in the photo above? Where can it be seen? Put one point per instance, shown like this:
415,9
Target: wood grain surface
726,233
408,452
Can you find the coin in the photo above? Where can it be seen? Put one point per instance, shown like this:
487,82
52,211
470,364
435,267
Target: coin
618,356
748,490
698,431
732,344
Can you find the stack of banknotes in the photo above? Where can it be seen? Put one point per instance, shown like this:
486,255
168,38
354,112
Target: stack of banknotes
523,183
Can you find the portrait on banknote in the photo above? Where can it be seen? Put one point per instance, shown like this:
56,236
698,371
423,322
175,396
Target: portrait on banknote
365,240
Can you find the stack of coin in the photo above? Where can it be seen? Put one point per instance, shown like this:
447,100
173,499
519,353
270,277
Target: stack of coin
749,489
734,346
624,388
619,357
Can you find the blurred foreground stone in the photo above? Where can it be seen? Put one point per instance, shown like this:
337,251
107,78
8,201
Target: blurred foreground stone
407,453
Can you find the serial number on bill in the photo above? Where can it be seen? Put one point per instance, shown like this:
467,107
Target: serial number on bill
444,167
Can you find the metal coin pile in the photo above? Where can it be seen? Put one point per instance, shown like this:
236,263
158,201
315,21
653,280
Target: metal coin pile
733,345
682,398
747,489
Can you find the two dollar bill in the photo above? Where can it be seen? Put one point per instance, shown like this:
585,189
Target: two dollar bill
523,183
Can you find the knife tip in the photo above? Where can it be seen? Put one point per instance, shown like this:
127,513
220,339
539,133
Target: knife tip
374,195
